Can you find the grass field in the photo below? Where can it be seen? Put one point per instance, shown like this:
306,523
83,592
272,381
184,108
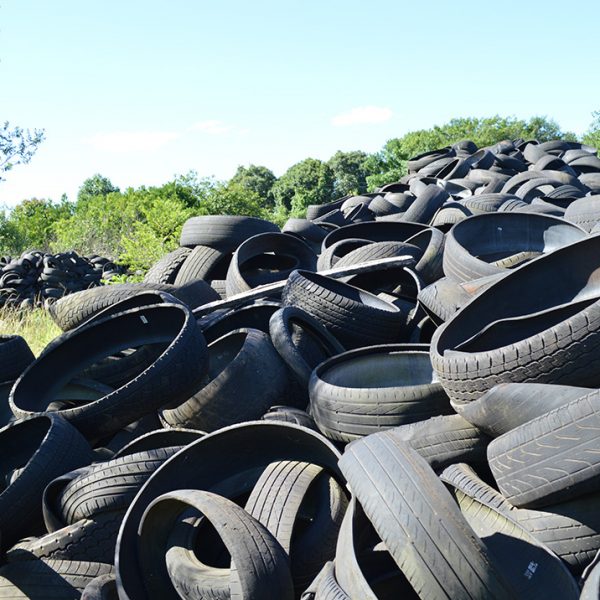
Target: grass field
35,326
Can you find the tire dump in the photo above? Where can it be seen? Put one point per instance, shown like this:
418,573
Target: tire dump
397,396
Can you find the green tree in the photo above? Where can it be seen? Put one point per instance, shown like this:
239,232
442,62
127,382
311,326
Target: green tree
96,185
307,182
592,135
258,180
350,171
11,238
17,146
232,199
35,219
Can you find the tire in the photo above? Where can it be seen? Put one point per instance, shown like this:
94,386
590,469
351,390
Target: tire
165,269
445,440
15,357
161,438
73,310
203,263
35,451
544,338
551,458
222,232
426,204
240,449
509,541
380,231
355,317
48,580
510,405
281,500
474,246
375,251
443,298
253,316
570,529
325,586
246,376
103,587
289,414
261,566
584,212
364,391
91,540
301,341
267,258
431,242
419,522
109,486
170,379
332,255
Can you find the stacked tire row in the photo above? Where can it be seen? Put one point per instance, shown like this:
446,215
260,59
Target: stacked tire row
37,278
367,404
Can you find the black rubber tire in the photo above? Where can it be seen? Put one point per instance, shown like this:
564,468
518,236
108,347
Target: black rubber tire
32,453
261,565
474,245
246,376
584,212
73,310
551,458
546,337
330,256
169,379
513,547
289,414
355,317
48,580
315,211
443,298
91,540
445,440
510,405
252,316
300,354
109,486
240,449
161,438
103,587
416,163
266,258
325,586
15,357
375,251
289,494
380,231
419,522
165,270
371,389
570,529
426,204
204,263
222,232
431,242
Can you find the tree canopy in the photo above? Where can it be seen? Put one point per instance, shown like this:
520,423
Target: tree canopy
17,146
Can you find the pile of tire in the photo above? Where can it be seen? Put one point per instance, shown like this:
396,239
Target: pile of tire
362,405
38,278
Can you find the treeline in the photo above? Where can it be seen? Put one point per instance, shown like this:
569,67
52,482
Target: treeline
137,226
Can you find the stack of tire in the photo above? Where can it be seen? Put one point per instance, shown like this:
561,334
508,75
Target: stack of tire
37,278
366,404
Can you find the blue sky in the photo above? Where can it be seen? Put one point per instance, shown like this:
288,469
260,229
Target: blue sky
139,90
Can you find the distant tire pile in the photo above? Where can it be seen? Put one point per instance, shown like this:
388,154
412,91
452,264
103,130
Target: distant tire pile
396,397
38,278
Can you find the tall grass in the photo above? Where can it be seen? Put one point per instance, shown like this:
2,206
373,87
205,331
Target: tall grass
36,326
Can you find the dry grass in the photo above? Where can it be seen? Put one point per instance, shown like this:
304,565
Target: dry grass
36,326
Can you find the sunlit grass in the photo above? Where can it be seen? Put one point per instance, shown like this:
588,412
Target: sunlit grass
36,326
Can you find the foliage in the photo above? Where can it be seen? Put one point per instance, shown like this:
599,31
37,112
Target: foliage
36,326
96,185
11,237
35,218
17,145
390,163
350,170
592,135
258,180
307,182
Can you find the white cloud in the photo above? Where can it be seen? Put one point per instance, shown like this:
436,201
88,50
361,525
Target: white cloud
362,115
212,126
131,141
